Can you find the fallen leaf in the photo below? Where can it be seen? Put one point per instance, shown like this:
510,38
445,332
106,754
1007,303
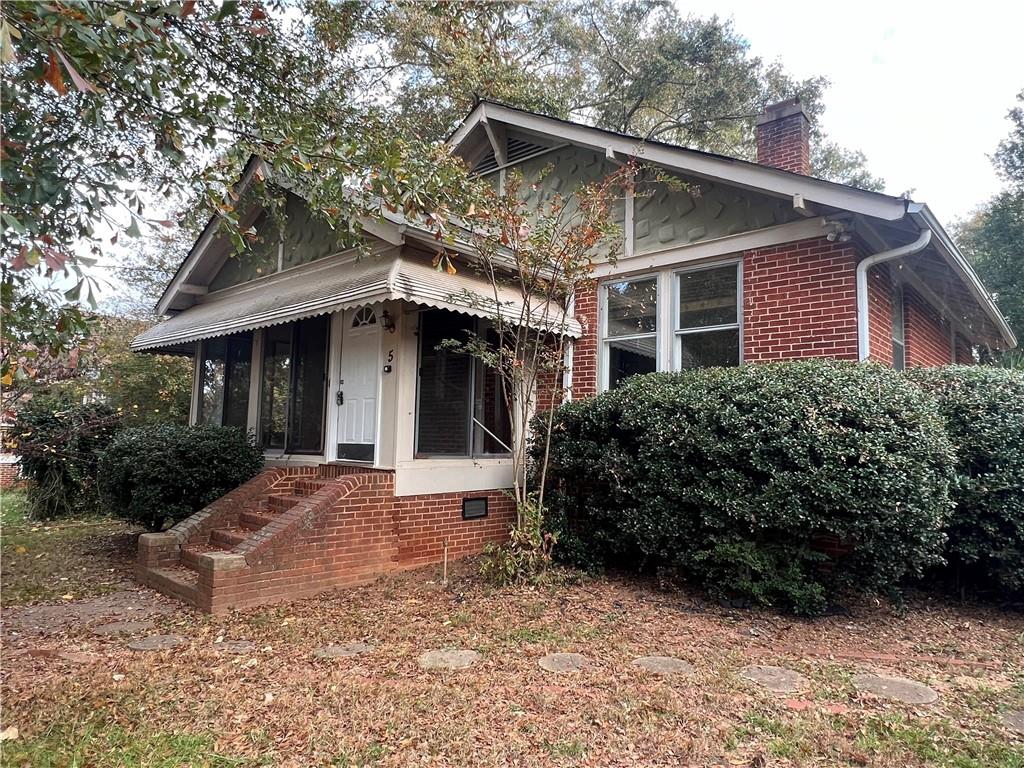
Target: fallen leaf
10,733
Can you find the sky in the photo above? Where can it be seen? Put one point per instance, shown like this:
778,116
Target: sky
921,88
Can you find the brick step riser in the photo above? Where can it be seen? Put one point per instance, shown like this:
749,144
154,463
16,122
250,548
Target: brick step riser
280,504
227,539
253,521
308,487
170,584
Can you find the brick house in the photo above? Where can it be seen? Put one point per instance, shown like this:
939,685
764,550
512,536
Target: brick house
384,452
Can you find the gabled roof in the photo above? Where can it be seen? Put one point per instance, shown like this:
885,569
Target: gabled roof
489,121
739,173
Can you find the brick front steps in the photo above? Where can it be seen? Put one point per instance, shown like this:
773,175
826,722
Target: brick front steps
290,533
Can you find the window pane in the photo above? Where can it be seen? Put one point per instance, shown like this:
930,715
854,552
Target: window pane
211,394
277,360
444,386
309,380
631,357
700,350
707,297
632,307
489,409
239,363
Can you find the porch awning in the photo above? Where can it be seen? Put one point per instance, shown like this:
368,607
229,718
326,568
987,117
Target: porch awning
341,282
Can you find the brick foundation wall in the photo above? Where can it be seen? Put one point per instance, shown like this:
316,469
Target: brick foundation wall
425,523
800,300
10,475
927,335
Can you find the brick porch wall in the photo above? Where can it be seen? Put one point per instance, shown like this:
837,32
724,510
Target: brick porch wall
10,476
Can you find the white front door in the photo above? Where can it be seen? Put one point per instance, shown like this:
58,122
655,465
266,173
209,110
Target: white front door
358,386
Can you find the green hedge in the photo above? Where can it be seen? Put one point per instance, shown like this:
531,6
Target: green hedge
984,412
59,443
158,475
734,476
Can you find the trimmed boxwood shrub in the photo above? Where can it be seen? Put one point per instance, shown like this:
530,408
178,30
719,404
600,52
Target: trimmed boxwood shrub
59,443
734,477
158,475
984,412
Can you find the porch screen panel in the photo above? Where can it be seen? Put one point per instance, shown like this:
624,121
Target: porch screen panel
211,383
309,382
236,383
277,360
445,386
492,431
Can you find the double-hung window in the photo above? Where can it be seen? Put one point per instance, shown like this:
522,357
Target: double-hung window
708,318
630,329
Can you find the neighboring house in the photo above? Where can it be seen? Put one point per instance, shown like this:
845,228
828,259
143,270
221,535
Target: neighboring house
10,466
385,452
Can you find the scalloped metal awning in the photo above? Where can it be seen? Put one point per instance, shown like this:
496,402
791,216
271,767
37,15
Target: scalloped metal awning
342,282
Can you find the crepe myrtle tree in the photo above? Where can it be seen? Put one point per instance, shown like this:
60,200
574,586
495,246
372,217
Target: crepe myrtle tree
535,259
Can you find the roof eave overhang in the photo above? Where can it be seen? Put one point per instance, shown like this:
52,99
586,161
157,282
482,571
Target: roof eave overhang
252,166
739,173
923,217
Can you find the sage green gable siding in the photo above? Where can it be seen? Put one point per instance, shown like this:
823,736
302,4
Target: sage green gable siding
306,239
666,217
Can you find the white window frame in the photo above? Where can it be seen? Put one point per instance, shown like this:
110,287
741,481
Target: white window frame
678,333
668,333
604,340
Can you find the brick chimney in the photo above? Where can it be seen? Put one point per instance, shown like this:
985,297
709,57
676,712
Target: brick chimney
783,137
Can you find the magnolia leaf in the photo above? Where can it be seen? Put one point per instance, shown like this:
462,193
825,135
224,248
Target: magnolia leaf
257,13
53,76
118,20
7,54
187,7
80,82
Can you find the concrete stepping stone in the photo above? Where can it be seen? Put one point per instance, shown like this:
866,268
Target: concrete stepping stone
448,658
775,679
665,665
156,643
1014,720
896,688
122,628
234,646
563,662
342,651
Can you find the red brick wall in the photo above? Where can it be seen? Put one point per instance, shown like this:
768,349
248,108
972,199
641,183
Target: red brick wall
424,523
9,476
800,300
584,357
880,299
927,335
964,355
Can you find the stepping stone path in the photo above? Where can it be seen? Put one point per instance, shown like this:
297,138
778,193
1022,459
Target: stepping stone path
775,679
896,688
342,651
665,665
449,658
563,662
1014,720
122,628
234,646
156,643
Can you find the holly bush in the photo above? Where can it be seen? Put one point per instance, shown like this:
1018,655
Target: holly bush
158,475
733,477
984,412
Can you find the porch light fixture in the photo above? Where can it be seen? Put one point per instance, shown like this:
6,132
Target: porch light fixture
473,509
387,322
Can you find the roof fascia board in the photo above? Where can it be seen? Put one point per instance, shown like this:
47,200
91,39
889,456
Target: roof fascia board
472,120
945,245
209,232
739,173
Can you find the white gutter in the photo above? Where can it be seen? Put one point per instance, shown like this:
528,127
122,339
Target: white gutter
863,338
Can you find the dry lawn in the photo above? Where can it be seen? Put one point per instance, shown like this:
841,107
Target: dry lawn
82,700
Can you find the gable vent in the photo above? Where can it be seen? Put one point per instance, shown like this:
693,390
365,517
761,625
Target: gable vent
515,150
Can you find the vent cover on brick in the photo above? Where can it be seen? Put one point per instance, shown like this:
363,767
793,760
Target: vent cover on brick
515,150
